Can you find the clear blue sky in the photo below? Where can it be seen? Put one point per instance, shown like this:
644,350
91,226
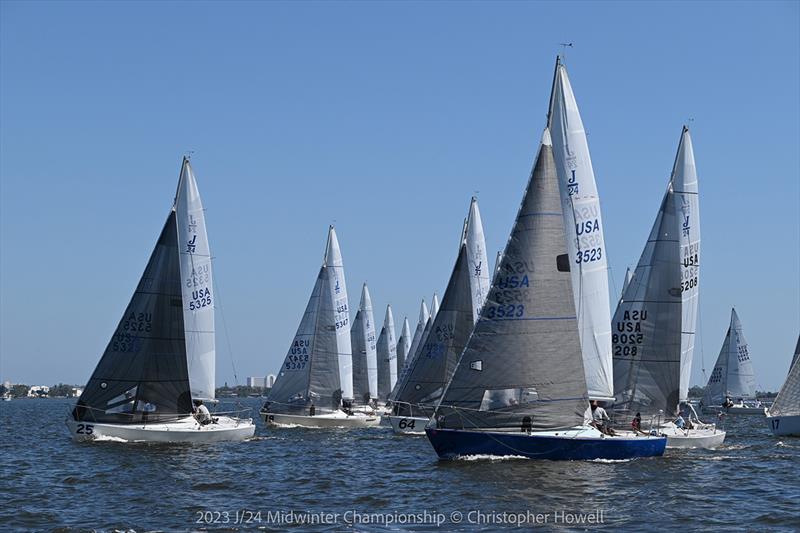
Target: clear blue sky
385,118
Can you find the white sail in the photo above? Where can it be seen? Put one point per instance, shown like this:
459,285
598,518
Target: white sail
733,375
391,339
403,345
584,233
338,294
478,260
684,184
196,285
369,341
424,316
787,403
627,281
434,305
497,260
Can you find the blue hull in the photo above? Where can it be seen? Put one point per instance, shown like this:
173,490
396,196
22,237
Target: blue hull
451,443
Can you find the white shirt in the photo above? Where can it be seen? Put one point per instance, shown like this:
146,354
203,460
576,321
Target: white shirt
600,414
203,413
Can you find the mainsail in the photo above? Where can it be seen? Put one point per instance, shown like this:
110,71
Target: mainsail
424,381
363,345
498,258
684,185
387,356
732,376
311,373
434,305
419,332
627,281
341,309
478,260
522,364
584,234
647,323
197,285
403,345
787,403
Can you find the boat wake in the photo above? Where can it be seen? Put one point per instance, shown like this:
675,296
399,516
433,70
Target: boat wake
610,460
108,438
489,457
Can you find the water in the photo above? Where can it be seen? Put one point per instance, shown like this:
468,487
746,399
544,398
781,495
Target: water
51,483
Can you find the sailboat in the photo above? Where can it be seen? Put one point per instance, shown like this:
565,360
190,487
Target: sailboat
420,333
519,388
732,385
648,328
783,416
162,355
314,387
580,207
387,355
450,327
365,358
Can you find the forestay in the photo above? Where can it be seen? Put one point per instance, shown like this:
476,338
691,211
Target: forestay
733,373
522,365
647,323
584,234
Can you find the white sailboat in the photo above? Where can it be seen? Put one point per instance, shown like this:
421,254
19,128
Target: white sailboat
364,347
449,328
783,416
732,385
519,387
159,359
584,235
648,336
314,387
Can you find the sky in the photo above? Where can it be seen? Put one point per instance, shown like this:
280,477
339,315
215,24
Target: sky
383,118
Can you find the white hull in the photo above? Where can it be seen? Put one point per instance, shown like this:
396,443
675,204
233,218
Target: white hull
788,426
338,419
705,437
183,430
745,410
408,425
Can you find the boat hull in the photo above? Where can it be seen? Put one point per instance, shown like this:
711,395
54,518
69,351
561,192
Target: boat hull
784,426
333,420
567,445
716,409
182,430
408,425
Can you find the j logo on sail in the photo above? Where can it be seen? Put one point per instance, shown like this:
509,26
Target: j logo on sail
191,246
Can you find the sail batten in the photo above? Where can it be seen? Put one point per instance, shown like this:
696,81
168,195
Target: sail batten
584,234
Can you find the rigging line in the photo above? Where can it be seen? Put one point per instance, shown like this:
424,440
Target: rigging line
225,329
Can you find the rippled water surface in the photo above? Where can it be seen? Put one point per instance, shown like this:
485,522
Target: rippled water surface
50,483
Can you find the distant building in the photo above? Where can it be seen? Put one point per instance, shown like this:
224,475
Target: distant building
256,382
37,391
270,381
